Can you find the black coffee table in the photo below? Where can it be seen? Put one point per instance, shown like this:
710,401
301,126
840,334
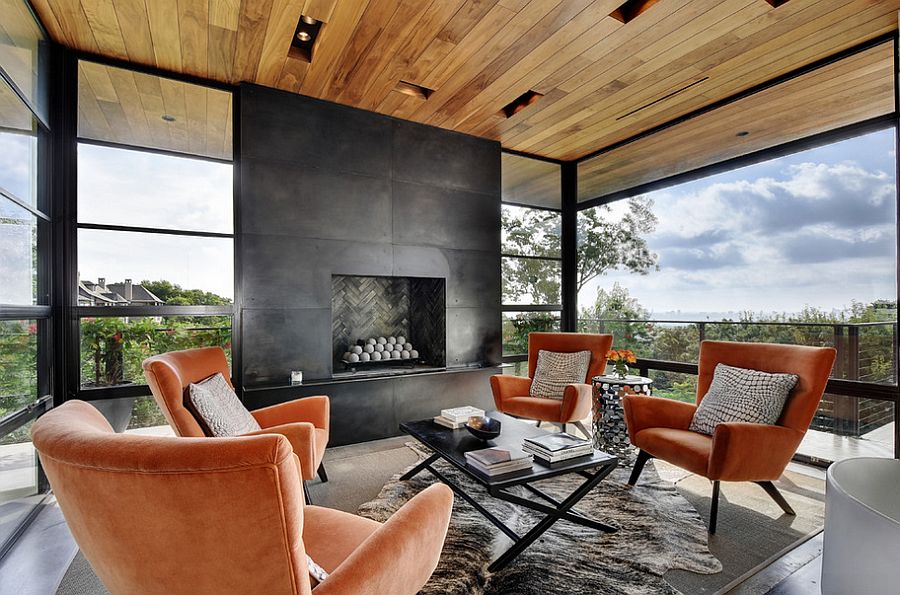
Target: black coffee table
451,446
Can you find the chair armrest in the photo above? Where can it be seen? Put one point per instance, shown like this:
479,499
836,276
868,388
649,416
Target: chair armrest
505,386
315,410
576,403
400,556
744,451
302,436
642,412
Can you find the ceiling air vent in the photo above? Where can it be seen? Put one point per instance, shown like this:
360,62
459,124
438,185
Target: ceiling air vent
631,9
520,103
413,90
304,38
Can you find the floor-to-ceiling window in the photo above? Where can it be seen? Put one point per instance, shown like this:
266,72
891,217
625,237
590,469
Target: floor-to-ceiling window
25,382
532,259
155,228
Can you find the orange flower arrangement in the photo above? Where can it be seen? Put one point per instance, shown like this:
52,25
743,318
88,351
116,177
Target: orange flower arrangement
620,358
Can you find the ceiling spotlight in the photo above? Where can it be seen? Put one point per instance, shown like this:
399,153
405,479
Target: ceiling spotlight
308,20
168,118
743,133
303,36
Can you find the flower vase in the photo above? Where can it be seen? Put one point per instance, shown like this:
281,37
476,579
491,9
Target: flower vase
621,370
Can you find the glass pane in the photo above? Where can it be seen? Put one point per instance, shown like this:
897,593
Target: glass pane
139,189
23,52
112,349
517,325
531,281
530,181
18,255
846,427
516,368
531,232
127,268
672,385
142,110
18,479
18,147
18,365
147,418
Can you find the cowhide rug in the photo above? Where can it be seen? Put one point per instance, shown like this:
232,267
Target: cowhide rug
658,531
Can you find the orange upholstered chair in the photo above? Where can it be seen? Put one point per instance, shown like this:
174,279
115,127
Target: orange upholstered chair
304,421
161,515
737,451
511,393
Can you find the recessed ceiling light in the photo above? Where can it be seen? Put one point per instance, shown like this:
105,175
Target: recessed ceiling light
168,118
743,133
308,20
303,36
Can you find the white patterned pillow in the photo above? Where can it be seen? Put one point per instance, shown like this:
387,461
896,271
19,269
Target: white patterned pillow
316,572
739,394
555,371
219,408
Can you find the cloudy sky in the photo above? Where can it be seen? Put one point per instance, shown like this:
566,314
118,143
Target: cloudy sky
816,228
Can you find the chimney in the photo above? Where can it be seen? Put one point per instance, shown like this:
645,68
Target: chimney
101,283
128,293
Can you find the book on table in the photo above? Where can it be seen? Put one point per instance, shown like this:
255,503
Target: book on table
443,421
554,448
498,461
572,453
461,414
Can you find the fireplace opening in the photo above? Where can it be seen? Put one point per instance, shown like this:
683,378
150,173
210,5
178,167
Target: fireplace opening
387,325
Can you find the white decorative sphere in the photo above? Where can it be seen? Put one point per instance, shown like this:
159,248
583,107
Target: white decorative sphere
395,354
401,339
392,340
369,348
413,353
404,354
364,357
381,340
371,341
408,346
346,356
353,358
379,348
376,356
356,349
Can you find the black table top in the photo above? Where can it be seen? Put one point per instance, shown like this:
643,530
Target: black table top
452,445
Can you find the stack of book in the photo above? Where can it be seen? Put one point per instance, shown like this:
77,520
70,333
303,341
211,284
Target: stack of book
456,417
556,448
499,461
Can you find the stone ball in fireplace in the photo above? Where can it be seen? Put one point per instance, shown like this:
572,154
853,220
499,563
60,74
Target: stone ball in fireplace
364,357
392,340
401,340
404,354
407,346
371,341
413,353
353,358
375,356
395,354
369,348
356,349
379,348
381,341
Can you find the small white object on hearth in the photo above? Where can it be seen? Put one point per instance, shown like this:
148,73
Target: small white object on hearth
356,349
379,348
376,356
369,348
364,357
381,340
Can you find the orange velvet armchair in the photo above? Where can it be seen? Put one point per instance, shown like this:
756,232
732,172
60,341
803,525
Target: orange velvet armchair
511,393
737,451
159,515
304,421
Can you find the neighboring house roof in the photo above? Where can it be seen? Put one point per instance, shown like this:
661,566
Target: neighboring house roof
113,294
139,293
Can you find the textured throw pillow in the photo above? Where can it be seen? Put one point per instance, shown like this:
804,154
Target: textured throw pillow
219,408
315,571
738,394
554,371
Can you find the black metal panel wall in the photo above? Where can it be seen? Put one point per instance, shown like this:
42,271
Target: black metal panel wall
331,190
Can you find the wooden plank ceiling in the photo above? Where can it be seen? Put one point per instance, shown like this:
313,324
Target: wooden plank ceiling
601,80
852,90
133,108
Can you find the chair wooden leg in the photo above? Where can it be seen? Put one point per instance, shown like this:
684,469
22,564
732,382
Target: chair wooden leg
322,474
772,491
306,497
642,459
714,508
538,423
584,430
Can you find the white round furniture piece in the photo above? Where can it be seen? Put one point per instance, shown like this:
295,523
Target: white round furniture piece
862,527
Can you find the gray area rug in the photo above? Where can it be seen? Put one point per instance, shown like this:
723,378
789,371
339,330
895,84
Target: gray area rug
659,531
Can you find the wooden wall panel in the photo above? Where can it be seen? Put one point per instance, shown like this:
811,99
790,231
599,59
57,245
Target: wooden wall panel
602,81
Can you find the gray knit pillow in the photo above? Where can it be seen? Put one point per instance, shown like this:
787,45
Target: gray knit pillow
739,394
219,408
555,371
